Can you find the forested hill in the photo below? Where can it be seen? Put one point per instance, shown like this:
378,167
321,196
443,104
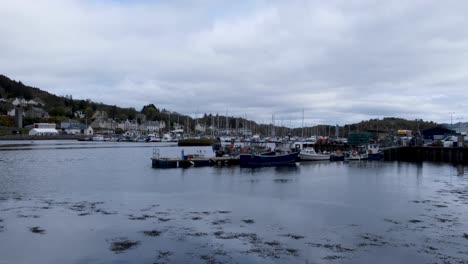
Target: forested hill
62,107
65,106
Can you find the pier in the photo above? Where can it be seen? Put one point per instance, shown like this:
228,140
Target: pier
434,154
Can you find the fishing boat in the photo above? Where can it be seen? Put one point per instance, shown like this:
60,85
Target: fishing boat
337,156
374,152
97,137
267,159
309,154
197,159
355,155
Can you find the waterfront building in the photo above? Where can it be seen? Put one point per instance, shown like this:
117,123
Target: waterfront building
43,129
74,127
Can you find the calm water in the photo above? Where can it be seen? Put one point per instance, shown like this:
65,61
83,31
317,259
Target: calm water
75,202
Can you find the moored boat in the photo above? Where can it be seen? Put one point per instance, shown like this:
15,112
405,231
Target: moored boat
374,152
309,154
337,156
259,160
355,155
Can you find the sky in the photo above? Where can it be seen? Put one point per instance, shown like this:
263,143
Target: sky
337,62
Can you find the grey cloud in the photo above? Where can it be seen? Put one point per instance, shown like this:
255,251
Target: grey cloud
340,61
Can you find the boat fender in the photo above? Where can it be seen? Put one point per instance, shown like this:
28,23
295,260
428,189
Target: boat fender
369,151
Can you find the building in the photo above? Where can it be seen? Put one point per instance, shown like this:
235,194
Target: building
104,124
437,133
154,126
35,112
43,129
79,114
19,102
128,125
73,127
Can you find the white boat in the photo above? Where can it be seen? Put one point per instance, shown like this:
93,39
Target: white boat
355,155
167,138
153,138
311,154
98,138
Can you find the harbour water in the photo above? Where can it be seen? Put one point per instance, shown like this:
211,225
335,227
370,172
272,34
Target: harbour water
90,202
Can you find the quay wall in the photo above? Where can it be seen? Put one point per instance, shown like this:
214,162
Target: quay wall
434,154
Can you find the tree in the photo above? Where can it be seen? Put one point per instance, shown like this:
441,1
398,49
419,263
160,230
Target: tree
88,112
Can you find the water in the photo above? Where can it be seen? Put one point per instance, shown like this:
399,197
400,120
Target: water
82,198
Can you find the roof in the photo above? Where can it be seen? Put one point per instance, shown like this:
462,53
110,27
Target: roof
45,130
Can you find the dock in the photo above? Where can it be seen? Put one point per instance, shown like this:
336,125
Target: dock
435,154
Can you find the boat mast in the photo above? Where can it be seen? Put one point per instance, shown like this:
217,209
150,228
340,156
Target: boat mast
302,123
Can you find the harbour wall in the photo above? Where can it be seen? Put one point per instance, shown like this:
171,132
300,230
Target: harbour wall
434,154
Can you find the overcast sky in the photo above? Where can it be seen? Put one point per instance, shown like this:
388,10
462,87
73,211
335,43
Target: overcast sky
340,61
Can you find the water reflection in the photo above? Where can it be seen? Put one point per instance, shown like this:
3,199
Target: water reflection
460,170
314,212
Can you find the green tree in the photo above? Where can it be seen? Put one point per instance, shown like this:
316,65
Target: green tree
88,112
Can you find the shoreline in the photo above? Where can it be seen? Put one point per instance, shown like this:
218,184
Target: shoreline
28,137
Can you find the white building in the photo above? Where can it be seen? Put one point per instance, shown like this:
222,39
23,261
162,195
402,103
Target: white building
128,125
19,101
74,127
43,129
79,114
154,126
200,128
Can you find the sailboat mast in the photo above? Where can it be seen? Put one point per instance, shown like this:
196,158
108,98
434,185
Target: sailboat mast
302,123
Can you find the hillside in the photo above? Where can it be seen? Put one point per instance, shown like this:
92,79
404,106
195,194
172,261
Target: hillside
63,107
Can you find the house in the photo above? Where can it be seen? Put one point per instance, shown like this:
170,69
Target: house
73,127
154,126
19,101
79,114
128,125
88,131
104,124
35,112
43,129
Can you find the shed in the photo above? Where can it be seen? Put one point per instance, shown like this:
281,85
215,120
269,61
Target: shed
436,133
43,132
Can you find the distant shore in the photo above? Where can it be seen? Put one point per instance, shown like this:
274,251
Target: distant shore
28,137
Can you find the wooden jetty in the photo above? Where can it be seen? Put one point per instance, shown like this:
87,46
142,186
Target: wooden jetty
435,154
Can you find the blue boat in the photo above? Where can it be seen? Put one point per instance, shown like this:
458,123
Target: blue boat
259,160
374,152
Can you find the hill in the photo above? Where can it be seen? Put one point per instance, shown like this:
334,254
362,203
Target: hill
63,107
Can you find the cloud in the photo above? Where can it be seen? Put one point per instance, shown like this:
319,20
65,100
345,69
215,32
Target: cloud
339,61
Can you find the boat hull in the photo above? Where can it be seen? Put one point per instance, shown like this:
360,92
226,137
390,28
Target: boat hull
375,156
317,157
337,158
249,160
166,163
